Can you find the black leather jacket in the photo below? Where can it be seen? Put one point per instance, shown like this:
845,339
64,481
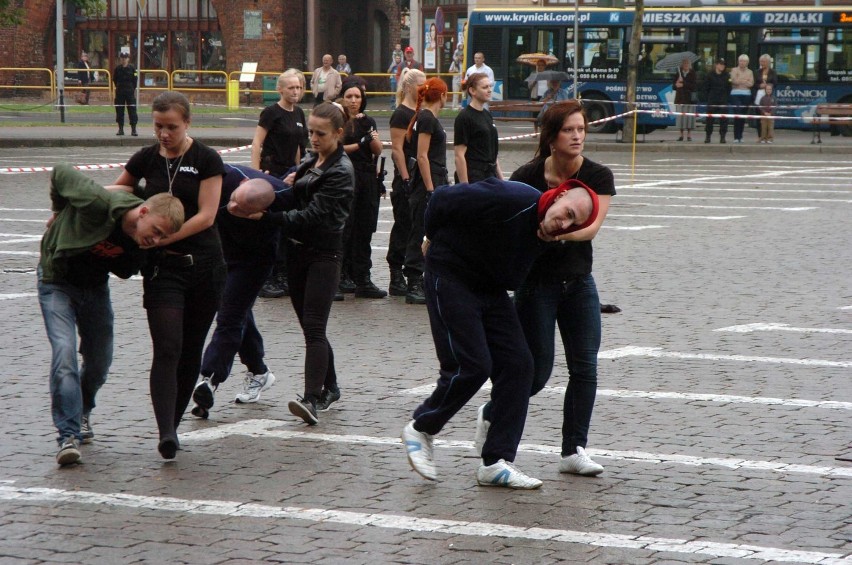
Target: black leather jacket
323,201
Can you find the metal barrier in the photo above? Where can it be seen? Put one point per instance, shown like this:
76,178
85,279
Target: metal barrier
50,76
186,85
80,86
150,83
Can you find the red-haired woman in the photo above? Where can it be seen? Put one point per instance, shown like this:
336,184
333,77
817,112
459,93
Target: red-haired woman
430,142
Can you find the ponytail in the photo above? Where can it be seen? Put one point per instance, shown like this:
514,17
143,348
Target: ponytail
429,92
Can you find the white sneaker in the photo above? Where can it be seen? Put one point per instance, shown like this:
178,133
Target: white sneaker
580,464
504,474
253,385
482,426
418,448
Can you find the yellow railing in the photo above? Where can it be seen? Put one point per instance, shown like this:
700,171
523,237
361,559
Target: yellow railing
150,82
181,80
92,85
50,77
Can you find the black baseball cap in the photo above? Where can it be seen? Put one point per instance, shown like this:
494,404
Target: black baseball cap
124,55
720,61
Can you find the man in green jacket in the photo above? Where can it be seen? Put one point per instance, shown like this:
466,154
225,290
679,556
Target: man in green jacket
93,232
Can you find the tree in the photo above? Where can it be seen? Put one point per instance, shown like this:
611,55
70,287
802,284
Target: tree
632,67
12,15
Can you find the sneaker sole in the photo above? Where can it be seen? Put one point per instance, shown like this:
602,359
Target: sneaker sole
269,382
594,473
200,412
504,485
68,457
298,410
87,440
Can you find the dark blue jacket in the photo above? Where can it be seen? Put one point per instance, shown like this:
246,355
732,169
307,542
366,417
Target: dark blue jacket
484,233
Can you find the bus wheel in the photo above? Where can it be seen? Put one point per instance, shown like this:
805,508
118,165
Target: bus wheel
598,110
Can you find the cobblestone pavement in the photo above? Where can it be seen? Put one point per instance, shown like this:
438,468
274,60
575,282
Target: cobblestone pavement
724,398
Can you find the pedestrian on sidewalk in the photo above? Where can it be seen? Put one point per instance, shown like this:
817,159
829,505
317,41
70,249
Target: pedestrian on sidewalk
125,78
85,75
684,86
325,82
323,188
560,289
481,239
280,141
402,155
767,110
742,81
363,146
184,278
717,87
93,232
250,249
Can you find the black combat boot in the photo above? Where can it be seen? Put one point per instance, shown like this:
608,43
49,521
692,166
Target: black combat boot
120,129
415,293
397,286
366,289
133,130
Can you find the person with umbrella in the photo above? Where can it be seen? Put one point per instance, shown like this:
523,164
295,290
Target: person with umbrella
554,93
684,86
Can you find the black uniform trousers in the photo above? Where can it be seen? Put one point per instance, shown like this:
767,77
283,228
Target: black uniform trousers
361,225
125,97
401,225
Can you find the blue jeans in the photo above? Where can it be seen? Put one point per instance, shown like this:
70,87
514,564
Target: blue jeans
68,309
740,105
235,330
574,305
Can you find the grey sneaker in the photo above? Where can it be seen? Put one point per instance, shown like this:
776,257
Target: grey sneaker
69,451
326,398
253,385
86,429
418,448
304,408
580,464
482,426
504,474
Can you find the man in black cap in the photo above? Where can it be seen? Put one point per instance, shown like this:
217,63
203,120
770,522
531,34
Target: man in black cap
124,77
717,88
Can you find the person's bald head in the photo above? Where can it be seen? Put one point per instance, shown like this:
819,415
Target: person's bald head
251,197
572,207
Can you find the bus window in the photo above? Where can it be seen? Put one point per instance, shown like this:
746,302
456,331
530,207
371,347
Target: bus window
656,44
737,43
601,52
707,49
838,55
795,52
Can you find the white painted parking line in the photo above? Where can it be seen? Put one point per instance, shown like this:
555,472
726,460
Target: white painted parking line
551,390
31,253
667,216
773,327
261,428
22,240
708,206
713,197
40,210
845,308
632,351
41,221
13,296
633,228
235,509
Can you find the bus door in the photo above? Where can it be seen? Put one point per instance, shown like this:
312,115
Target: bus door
738,41
523,41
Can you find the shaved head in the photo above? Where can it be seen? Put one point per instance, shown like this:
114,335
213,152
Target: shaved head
251,197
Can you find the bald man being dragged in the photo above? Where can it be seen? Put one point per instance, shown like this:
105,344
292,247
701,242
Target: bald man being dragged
250,248
481,240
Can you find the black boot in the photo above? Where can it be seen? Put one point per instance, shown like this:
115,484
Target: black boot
397,286
415,293
133,130
722,139
120,129
346,286
366,289
275,286
707,138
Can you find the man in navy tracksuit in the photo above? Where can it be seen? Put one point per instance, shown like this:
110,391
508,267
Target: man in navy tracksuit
481,240
250,249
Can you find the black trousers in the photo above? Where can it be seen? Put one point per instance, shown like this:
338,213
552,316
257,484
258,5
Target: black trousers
417,201
401,225
361,225
125,98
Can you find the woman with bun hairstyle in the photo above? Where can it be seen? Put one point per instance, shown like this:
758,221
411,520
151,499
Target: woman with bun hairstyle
362,144
475,135
427,137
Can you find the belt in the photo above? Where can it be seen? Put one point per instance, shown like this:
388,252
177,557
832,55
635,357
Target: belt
177,260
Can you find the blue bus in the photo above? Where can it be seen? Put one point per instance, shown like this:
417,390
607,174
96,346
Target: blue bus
811,50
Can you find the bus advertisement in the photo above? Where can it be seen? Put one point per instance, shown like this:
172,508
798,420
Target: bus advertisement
810,48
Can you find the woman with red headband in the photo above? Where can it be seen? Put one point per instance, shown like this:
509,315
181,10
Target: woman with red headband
560,288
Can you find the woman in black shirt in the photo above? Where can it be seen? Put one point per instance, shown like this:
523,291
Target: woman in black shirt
184,278
475,135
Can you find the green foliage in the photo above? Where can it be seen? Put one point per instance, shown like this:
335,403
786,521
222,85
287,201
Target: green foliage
11,15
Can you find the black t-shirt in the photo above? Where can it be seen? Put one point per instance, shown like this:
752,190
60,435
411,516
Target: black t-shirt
359,128
565,259
198,163
400,119
118,254
476,130
286,133
428,123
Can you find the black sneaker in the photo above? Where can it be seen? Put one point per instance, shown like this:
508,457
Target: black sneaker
168,447
397,286
347,286
203,398
304,408
275,287
326,398
86,433
369,290
69,451
338,296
